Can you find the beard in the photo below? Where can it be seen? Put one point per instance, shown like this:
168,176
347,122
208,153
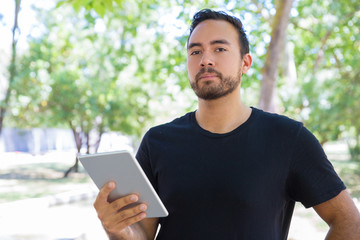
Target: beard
211,90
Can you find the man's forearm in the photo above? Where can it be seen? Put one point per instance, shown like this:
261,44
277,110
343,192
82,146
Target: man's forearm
342,215
350,231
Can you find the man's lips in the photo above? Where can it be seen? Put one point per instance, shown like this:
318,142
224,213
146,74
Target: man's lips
208,76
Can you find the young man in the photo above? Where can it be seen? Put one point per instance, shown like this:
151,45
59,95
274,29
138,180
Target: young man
227,171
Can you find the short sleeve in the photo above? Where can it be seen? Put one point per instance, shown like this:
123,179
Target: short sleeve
312,178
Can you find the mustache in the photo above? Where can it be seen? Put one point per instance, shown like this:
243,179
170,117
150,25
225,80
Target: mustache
207,70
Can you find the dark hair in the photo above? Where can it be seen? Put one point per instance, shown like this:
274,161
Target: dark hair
206,14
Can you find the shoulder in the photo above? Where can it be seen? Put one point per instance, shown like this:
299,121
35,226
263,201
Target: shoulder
276,123
178,124
160,136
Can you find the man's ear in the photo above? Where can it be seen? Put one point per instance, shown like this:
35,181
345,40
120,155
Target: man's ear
246,63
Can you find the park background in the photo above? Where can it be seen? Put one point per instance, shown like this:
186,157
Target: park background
84,76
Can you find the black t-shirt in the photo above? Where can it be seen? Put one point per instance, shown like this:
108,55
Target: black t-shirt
238,185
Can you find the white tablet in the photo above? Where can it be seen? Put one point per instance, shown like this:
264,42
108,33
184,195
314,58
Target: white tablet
122,168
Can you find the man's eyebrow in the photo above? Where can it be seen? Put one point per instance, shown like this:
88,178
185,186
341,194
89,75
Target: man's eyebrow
220,41
191,45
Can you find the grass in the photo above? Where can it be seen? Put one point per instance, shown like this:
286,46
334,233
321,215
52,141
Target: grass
38,180
24,181
13,196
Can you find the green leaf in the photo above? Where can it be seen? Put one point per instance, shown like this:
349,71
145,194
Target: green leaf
60,3
99,8
77,5
108,4
119,2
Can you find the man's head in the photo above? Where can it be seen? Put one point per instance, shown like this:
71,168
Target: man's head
216,59
207,14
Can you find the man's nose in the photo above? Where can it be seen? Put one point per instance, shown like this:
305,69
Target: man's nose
207,60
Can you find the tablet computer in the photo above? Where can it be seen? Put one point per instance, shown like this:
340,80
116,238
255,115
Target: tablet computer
122,168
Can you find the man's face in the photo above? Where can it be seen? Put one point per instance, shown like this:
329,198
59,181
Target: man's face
214,60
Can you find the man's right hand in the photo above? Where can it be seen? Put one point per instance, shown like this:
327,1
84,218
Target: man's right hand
120,222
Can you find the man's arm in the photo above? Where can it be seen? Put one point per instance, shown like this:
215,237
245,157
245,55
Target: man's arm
341,214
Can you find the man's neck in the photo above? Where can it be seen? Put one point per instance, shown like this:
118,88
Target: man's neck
222,115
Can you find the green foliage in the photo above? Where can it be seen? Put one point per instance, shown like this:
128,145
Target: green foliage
355,152
102,7
326,35
99,6
83,78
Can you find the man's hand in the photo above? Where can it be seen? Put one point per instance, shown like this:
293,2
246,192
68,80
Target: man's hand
120,222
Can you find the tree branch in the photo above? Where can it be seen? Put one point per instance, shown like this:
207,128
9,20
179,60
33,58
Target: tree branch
302,28
320,54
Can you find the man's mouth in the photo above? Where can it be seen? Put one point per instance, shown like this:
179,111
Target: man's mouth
207,76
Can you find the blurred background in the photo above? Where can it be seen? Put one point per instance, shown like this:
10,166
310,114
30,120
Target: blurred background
86,76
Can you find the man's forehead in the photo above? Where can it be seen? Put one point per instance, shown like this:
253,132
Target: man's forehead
210,31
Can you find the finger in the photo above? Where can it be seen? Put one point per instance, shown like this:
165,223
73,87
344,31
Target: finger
123,202
130,212
102,197
130,221
125,217
108,210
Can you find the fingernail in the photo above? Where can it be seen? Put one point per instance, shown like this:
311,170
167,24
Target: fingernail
142,215
110,184
142,207
133,198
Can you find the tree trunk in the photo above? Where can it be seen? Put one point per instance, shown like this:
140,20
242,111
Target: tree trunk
78,142
270,70
74,168
87,135
12,67
97,143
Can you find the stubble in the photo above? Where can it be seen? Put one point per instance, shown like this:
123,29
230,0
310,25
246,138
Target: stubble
210,90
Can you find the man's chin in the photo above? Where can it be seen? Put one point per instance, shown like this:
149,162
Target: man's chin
211,96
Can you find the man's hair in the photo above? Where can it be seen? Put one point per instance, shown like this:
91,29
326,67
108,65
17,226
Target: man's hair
207,14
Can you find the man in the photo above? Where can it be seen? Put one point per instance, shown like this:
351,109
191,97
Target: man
227,171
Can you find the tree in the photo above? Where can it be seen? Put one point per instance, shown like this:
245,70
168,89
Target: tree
79,70
325,35
273,57
4,104
259,23
129,56
91,80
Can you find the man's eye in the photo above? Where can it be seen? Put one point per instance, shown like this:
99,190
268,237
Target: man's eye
221,50
195,52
